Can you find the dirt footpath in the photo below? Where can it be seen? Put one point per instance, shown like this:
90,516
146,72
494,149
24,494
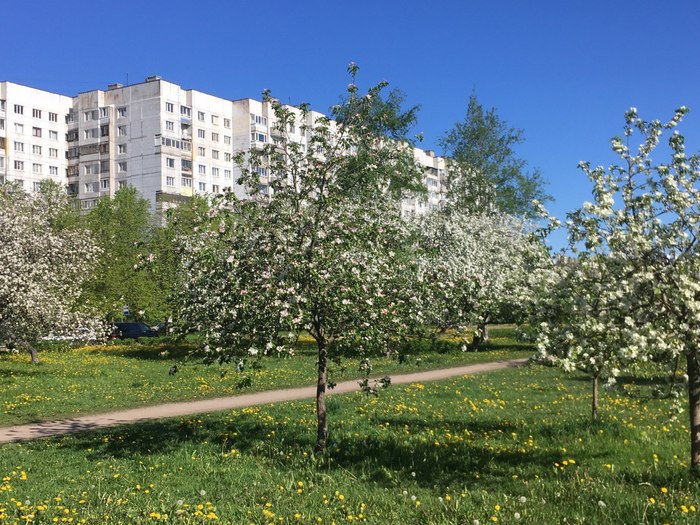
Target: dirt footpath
186,408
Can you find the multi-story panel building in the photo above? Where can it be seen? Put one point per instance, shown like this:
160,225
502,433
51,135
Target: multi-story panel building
167,142
32,135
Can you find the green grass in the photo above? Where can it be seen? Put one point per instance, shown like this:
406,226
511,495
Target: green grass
100,378
488,447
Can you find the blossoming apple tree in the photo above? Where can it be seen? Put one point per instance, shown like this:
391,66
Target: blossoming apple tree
638,240
474,265
320,246
45,256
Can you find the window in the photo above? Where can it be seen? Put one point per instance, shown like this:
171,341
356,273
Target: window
36,168
90,115
215,120
227,139
121,184
19,165
214,154
104,112
261,171
215,137
91,133
202,186
215,172
169,107
200,116
92,169
72,171
186,165
121,131
186,182
71,135
53,117
36,113
53,152
53,135
19,146
36,132
227,157
104,184
202,169
170,181
292,129
19,129
36,150
104,131
227,123
170,162
2,124
121,149
37,186
2,105
104,166
19,109
121,112
121,167
258,137
201,133
215,188
169,125
257,119
19,183
53,170
90,187
185,111
227,174
201,151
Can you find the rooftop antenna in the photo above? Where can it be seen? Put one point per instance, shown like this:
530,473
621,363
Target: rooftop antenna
127,79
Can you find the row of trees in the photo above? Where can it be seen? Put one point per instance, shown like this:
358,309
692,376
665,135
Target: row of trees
330,253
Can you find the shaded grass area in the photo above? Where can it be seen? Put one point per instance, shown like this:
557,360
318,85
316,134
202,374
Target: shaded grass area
510,446
99,378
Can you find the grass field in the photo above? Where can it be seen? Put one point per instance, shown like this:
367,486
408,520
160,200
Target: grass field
514,446
100,378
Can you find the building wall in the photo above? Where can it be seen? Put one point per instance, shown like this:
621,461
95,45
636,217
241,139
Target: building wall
167,142
32,135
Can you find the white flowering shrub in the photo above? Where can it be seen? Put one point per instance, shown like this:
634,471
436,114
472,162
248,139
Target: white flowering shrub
44,258
635,291
326,253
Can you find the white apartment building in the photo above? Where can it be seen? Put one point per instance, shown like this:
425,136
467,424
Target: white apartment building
32,135
167,142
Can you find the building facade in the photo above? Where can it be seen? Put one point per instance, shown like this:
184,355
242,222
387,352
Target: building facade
167,142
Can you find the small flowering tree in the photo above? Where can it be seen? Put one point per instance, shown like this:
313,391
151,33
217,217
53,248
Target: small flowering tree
44,258
473,266
644,252
325,253
576,307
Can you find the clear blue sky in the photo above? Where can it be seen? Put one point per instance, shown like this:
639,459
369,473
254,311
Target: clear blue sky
564,71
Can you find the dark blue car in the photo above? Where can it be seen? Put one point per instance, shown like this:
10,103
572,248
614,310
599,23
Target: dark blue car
134,330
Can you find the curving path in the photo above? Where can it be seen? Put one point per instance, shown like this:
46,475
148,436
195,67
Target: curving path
184,408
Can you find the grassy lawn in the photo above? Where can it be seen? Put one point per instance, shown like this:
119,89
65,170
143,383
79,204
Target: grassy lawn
100,378
514,446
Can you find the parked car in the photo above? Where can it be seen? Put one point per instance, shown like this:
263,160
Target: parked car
134,330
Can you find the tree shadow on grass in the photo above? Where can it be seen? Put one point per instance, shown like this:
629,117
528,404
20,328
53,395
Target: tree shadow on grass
385,457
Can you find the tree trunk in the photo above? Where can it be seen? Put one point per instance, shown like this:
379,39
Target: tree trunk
322,385
693,359
31,350
481,333
594,401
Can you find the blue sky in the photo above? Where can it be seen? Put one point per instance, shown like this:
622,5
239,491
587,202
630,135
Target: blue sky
563,71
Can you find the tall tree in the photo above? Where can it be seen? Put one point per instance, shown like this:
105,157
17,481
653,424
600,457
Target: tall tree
45,255
325,253
123,227
484,172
